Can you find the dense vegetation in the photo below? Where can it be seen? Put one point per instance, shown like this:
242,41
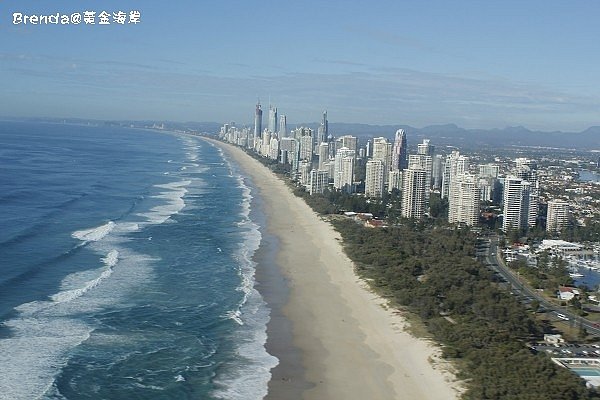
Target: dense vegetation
431,271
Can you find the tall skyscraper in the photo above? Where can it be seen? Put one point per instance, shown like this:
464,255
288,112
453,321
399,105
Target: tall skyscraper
399,151
374,178
463,203
272,126
558,215
413,193
283,132
257,121
323,131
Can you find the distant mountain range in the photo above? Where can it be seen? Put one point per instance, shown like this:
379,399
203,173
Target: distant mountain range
452,135
440,135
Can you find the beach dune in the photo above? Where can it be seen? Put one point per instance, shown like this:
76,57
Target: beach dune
350,345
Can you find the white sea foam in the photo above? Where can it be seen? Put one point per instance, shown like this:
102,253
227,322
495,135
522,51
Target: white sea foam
94,234
173,194
110,261
44,332
248,379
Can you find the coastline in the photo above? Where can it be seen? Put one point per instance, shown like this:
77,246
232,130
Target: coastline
344,342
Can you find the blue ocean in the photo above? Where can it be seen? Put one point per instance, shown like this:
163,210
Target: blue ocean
126,267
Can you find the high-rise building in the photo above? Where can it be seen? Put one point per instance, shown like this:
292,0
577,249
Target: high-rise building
437,171
343,178
489,170
274,149
272,126
323,131
381,152
323,154
463,203
374,178
265,148
306,147
399,159
395,180
455,165
282,126
526,169
304,168
290,146
425,148
319,180
257,121
413,193
516,203
424,162
348,141
558,215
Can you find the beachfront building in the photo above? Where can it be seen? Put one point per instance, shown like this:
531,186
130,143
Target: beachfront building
319,181
343,178
374,178
306,147
304,168
274,149
413,193
558,215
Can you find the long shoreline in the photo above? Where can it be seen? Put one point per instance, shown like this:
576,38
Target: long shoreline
343,343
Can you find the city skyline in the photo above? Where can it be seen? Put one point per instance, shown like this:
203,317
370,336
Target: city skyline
476,65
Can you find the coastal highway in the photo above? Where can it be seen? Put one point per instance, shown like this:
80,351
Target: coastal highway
489,252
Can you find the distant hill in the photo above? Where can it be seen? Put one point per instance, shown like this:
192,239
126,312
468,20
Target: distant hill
452,135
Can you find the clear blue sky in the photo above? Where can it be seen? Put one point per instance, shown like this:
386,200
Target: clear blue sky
474,63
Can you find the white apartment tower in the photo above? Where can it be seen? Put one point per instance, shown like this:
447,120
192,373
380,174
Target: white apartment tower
374,178
463,203
558,215
343,178
319,180
516,203
413,193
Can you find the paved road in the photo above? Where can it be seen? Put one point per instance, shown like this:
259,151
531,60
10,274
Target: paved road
494,261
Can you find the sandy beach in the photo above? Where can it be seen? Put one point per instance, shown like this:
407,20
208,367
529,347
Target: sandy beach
343,343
